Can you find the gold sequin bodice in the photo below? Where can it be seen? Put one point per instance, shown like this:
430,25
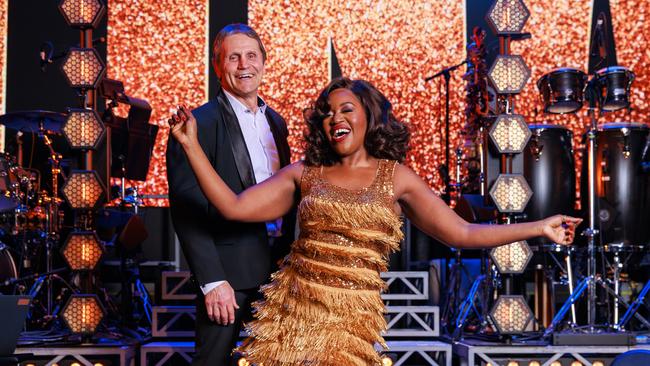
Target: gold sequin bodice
323,306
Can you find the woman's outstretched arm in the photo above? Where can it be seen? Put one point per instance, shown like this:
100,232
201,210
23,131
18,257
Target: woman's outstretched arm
262,202
430,213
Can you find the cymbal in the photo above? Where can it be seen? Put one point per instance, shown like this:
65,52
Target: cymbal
31,121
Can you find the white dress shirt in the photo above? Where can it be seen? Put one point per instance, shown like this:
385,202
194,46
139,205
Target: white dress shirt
262,150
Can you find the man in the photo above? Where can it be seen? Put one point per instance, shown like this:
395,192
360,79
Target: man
246,142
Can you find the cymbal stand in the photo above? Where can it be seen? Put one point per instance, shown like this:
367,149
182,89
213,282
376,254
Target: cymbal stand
591,231
52,223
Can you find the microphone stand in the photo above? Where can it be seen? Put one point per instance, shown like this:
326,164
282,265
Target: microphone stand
444,170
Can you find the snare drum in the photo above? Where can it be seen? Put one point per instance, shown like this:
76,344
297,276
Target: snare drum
562,90
614,87
549,168
622,186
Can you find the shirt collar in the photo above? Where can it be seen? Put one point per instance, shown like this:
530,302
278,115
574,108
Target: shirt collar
240,107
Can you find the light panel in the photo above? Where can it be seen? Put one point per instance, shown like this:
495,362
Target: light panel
83,189
511,314
510,133
512,258
82,13
82,250
83,128
510,193
509,74
83,68
507,16
83,313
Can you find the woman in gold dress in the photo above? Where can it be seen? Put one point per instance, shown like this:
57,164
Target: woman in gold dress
323,307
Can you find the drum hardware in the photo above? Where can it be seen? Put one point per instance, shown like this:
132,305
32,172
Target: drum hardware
633,308
591,231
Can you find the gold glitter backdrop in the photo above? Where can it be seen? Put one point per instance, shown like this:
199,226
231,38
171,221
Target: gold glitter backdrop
393,44
159,49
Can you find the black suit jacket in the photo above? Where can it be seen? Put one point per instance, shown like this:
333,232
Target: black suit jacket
217,249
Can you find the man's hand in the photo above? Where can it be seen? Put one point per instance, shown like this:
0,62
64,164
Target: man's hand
221,304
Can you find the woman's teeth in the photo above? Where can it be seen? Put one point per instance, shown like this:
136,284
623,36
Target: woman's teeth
340,132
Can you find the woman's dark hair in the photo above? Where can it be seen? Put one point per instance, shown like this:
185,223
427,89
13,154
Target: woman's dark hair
386,137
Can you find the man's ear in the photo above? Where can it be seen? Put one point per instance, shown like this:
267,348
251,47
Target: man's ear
215,67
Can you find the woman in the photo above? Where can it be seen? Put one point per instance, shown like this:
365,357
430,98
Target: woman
323,307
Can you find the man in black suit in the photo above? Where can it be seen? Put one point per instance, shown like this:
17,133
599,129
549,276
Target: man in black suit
246,141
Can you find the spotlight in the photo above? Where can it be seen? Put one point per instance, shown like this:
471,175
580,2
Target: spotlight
83,68
513,363
512,258
83,129
243,362
511,193
83,189
598,363
556,363
75,364
509,74
82,13
576,363
507,16
511,314
510,133
534,363
83,313
98,364
386,360
82,250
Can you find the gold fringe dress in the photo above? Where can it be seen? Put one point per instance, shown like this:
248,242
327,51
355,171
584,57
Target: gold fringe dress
323,307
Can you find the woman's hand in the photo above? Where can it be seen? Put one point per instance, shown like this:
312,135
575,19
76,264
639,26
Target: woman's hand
183,127
560,229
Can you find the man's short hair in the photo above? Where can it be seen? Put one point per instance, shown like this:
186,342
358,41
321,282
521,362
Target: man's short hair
230,29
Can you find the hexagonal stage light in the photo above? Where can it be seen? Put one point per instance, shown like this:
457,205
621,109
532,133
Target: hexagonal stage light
510,133
510,193
82,250
507,16
82,13
509,74
511,314
83,68
83,313
83,128
83,189
512,258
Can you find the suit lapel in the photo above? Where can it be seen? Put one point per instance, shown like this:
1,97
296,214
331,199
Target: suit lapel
236,138
276,125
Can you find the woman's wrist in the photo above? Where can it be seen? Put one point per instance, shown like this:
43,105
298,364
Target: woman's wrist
190,145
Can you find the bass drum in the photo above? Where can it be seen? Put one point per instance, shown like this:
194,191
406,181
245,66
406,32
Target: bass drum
622,189
549,168
8,270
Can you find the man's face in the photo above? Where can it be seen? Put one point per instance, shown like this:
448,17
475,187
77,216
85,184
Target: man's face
241,67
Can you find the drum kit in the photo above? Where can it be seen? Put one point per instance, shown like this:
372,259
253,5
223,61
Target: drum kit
31,217
615,183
